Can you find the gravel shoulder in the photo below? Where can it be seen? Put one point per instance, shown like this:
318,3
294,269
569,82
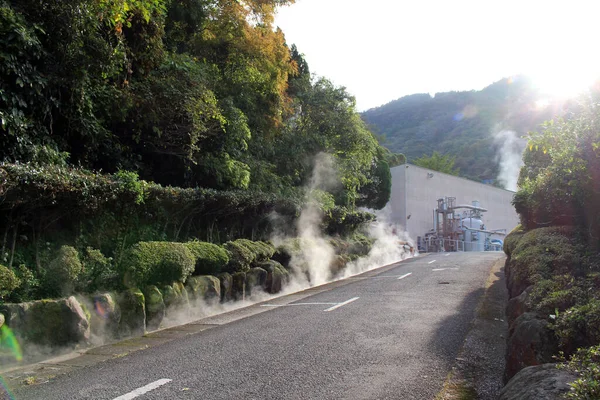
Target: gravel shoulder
478,371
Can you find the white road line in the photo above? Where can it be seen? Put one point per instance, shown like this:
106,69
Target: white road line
143,389
404,276
446,255
443,269
297,304
431,262
342,304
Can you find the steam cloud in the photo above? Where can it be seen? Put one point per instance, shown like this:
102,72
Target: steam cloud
509,157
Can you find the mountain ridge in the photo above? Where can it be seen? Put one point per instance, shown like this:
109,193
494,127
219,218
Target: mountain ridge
465,124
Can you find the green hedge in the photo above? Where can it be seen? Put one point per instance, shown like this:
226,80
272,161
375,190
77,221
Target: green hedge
156,263
8,281
210,258
246,253
62,272
543,253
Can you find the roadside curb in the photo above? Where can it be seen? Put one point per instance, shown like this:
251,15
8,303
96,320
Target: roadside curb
44,371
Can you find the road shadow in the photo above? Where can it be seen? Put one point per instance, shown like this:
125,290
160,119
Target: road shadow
473,341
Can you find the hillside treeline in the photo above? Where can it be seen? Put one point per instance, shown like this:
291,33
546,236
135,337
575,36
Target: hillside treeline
464,125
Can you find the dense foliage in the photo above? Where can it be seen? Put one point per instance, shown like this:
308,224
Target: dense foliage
560,182
154,263
559,250
461,124
128,121
190,93
438,162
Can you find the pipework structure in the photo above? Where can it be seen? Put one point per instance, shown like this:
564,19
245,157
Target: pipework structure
460,228
415,195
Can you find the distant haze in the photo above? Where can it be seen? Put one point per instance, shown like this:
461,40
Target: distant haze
384,49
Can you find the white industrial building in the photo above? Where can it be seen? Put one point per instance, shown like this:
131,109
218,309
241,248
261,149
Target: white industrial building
430,204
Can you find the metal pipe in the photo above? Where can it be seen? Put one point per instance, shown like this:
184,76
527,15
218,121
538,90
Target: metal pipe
479,230
470,207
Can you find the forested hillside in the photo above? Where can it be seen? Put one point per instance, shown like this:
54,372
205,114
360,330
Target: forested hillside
462,124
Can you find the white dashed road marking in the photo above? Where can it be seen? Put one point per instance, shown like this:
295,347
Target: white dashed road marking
143,389
342,304
431,262
443,269
404,276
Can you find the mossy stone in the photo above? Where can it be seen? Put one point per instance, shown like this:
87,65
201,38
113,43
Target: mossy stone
133,313
175,297
256,279
155,307
226,281
277,276
203,287
238,286
106,315
49,322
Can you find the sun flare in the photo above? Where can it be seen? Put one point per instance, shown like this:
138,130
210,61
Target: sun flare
566,83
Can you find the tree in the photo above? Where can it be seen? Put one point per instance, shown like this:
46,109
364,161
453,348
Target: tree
438,162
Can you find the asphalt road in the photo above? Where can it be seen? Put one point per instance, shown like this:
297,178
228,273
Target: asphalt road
392,333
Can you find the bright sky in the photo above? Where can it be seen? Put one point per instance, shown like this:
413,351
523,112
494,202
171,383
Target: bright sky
381,50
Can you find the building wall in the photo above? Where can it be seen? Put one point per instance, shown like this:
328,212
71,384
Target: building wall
415,192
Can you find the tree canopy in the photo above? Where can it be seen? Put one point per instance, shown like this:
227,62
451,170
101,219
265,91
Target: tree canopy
438,162
189,93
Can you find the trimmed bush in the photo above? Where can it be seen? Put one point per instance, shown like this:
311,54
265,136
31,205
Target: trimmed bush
155,263
585,363
286,250
240,257
98,271
512,239
8,281
245,253
579,326
63,271
210,258
558,294
541,254
262,251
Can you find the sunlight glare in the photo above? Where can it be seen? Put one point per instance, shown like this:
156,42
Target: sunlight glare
565,83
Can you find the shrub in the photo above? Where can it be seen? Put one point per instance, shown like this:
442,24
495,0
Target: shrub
244,253
579,326
8,281
543,253
558,294
262,251
155,263
585,363
512,239
210,258
286,250
98,271
240,257
63,271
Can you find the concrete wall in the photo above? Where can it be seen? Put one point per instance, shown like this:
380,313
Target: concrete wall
415,191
